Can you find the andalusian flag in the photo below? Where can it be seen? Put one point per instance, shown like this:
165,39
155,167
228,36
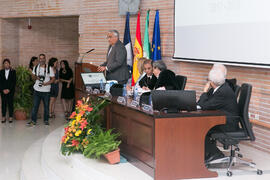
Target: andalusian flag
138,52
156,49
146,43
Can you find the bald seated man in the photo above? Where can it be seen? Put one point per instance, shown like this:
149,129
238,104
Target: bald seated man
232,82
218,95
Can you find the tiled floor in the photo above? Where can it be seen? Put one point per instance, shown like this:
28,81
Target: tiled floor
241,172
16,138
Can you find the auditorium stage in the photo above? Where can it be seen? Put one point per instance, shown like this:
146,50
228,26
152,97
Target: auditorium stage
33,153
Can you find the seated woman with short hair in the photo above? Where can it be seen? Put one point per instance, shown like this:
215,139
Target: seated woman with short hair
148,81
165,78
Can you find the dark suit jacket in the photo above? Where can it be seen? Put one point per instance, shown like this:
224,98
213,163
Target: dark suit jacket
223,99
167,79
9,83
148,83
117,63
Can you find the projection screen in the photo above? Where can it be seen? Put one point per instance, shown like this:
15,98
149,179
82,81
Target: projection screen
228,31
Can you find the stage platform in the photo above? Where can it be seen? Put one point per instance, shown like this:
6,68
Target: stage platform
44,161
33,154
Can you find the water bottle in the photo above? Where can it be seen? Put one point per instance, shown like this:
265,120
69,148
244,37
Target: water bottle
135,93
150,101
101,85
124,90
110,85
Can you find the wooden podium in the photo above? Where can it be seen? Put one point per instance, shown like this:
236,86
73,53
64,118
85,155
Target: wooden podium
82,68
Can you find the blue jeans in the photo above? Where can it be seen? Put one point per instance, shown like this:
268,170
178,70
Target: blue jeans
45,97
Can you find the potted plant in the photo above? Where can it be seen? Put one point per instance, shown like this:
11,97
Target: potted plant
84,123
23,94
104,143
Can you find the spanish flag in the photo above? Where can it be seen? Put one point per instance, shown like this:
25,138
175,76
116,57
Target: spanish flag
138,52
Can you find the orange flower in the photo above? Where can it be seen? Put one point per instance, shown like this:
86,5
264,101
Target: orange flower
63,139
83,124
73,115
66,129
75,143
79,103
81,113
85,142
89,109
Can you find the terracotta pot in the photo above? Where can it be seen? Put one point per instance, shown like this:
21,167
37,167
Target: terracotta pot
20,115
113,157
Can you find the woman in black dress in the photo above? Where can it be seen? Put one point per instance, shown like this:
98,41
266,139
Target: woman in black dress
67,93
53,63
33,62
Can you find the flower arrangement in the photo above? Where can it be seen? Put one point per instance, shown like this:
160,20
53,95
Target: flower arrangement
84,122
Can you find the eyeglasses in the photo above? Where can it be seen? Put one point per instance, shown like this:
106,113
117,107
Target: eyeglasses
110,37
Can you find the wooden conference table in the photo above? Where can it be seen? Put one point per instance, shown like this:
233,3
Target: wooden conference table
166,146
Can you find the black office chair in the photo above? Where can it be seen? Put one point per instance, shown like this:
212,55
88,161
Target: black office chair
237,90
233,84
232,139
182,80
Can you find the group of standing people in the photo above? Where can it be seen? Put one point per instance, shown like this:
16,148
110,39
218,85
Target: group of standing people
46,86
46,79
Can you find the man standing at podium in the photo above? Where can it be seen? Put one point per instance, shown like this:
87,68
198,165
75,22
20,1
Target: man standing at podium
115,67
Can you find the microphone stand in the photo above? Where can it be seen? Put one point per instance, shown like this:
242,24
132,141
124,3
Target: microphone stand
80,60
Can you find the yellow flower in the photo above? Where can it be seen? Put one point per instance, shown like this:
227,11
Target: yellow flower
78,133
66,139
73,122
89,131
78,117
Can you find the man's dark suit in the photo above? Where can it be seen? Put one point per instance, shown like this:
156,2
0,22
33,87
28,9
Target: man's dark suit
223,99
7,99
148,82
117,63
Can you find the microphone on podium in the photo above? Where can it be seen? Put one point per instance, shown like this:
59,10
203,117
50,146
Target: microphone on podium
90,51
80,59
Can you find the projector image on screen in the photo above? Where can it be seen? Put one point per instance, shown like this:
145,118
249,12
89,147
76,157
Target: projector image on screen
228,31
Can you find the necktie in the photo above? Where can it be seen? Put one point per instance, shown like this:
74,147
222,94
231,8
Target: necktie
148,80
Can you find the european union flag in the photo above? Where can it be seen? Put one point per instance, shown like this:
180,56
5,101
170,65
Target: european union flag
156,49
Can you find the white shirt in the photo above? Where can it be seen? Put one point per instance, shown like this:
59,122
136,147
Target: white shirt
216,89
110,50
7,73
137,85
40,71
149,76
